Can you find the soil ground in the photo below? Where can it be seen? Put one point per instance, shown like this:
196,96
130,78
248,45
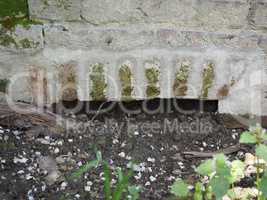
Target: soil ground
155,142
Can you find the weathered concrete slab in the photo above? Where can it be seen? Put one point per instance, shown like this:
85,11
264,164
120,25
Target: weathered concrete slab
211,14
63,10
261,14
81,36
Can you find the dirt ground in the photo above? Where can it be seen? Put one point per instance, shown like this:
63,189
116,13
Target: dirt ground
36,160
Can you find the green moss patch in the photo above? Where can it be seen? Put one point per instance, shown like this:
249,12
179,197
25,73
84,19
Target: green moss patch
15,12
13,8
99,85
125,76
152,76
7,40
208,77
180,83
3,85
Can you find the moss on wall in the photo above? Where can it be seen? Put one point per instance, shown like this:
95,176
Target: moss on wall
7,40
3,85
152,76
13,8
126,77
98,82
180,83
15,12
208,77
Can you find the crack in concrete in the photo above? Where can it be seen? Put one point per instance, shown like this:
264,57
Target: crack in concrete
251,14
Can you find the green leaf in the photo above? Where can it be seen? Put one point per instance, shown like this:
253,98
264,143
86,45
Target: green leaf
180,188
83,169
206,168
198,191
237,171
220,186
122,185
222,169
107,182
99,156
248,138
120,174
263,186
264,136
208,193
134,192
261,151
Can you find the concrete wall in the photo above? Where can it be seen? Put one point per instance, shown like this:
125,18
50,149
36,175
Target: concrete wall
212,49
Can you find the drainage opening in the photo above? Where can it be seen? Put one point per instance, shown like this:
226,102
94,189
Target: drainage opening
135,107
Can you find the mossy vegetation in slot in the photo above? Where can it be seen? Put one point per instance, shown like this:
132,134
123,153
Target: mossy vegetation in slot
68,80
152,76
98,82
26,43
15,12
180,83
208,77
3,85
125,76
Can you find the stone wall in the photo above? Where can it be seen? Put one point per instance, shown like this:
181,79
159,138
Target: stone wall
138,49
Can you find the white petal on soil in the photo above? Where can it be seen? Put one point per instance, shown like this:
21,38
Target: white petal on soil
122,155
20,160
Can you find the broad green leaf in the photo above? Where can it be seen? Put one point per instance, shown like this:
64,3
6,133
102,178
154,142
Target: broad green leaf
206,168
237,170
180,188
198,191
222,169
264,136
261,151
220,186
248,138
263,186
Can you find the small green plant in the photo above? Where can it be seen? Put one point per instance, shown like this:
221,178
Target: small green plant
180,82
98,81
152,76
125,75
122,190
223,174
208,78
257,136
86,167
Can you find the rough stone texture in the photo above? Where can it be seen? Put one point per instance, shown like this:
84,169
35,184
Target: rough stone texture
63,10
261,14
22,39
80,36
212,13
